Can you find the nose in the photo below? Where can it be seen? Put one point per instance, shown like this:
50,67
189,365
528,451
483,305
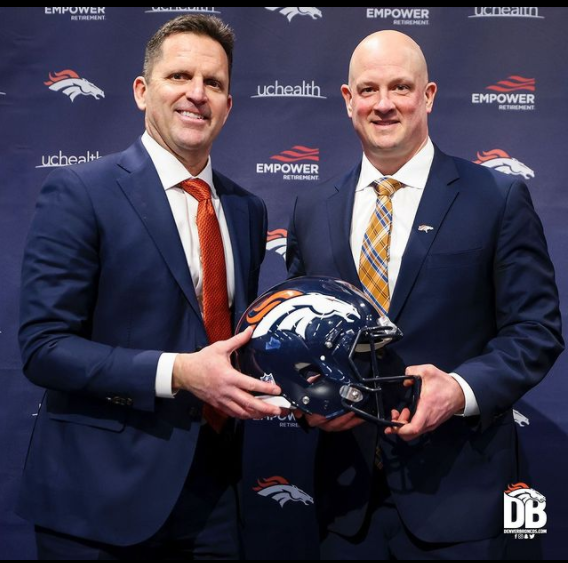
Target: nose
383,103
195,90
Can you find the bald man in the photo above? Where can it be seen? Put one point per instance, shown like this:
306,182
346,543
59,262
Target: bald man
464,272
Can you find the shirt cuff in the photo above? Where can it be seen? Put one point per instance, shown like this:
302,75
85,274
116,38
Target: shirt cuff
164,375
471,407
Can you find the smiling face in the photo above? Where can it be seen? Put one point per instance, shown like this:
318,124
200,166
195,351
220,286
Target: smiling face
388,98
186,97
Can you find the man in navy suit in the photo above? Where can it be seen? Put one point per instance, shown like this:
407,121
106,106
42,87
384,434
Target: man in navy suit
121,463
471,286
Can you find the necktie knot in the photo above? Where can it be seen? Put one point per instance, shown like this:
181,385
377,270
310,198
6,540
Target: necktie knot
199,189
386,187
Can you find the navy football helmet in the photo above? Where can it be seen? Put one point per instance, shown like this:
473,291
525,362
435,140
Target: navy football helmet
318,339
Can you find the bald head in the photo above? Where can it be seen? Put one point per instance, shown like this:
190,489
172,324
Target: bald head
391,48
388,98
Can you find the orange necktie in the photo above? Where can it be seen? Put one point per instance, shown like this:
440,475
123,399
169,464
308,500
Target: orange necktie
215,297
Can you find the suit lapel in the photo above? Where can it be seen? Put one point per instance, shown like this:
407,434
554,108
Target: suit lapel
436,201
339,213
144,190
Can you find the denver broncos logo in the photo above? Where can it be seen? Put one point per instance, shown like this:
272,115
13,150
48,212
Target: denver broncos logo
279,489
276,240
520,418
292,310
68,82
314,13
501,161
523,492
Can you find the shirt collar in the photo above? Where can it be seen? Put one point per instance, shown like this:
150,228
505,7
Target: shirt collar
170,170
413,174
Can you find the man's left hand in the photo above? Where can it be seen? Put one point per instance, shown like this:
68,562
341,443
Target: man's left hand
440,398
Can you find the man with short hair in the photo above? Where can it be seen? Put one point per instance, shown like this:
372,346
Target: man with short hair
137,267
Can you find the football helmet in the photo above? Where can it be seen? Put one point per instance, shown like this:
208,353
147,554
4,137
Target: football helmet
318,338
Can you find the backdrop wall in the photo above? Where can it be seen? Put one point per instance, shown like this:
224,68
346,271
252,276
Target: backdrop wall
66,96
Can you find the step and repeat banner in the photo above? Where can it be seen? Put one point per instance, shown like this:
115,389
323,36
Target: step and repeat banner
66,97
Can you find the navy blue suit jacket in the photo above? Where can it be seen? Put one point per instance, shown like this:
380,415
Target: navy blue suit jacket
105,290
475,295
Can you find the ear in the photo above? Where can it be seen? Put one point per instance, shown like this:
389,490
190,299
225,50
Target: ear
140,89
229,106
429,95
348,97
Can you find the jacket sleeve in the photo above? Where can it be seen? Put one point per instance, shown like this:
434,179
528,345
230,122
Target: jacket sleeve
60,274
528,323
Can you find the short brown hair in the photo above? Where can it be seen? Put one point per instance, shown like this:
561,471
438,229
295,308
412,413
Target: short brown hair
199,24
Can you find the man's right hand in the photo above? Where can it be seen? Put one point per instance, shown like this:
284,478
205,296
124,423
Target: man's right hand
209,375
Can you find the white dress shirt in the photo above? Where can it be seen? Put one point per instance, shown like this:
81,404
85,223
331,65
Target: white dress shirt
413,176
184,210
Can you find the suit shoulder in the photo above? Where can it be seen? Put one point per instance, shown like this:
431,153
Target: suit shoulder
84,172
231,186
322,191
483,175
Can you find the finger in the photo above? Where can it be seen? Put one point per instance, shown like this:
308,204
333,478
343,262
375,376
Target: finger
404,417
257,408
408,382
253,385
238,340
232,409
411,370
414,428
315,420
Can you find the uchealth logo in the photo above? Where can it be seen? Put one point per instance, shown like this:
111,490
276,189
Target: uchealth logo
278,90
186,10
59,159
298,163
501,161
524,511
509,94
282,491
68,82
276,241
290,13
506,12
